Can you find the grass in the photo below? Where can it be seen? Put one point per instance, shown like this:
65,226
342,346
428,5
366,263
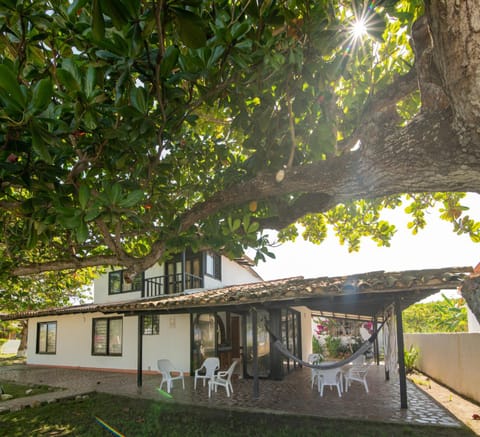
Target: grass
10,359
20,390
141,417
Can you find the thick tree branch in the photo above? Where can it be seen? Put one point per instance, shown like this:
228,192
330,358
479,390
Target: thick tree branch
380,109
65,264
395,164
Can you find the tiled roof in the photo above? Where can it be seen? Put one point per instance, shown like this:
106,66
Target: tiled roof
374,288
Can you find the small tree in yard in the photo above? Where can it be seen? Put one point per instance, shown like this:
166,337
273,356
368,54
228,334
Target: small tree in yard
51,289
132,129
448,315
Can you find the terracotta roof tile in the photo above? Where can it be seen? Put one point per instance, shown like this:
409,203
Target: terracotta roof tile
283,290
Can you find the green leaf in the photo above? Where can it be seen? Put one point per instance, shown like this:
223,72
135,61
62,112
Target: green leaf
132,199
137,97
90,82
190,29
169,61
92,214
83,196
42,94
82,232
98,22
70,221
68,80
115,193
116,11
253,228
239,29
39,146
9,83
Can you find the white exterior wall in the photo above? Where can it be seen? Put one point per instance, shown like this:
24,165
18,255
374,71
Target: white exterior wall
452,359
234,274
306,327
74,343
172,343
100,287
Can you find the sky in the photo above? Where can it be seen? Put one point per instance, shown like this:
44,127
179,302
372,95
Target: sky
436,246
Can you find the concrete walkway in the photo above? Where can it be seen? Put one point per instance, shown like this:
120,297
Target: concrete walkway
293,395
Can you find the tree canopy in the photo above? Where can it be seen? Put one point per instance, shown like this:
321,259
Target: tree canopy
131,129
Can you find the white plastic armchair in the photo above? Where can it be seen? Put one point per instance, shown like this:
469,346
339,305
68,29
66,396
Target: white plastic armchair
357,373
331,377
314,359
222,379
207,370
169,374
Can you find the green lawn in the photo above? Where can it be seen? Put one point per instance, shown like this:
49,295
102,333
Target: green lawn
9,359
140,417
21,390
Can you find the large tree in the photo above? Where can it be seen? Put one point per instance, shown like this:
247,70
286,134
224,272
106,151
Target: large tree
130,129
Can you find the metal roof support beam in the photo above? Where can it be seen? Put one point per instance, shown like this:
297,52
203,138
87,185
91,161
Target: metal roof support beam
401,355
256,385
376,350
140,351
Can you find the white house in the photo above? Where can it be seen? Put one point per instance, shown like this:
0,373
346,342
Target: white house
81,337
203,304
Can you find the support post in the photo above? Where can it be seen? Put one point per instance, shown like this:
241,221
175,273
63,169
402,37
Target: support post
276,358
255,353
140,351
401,356
184,282
376,349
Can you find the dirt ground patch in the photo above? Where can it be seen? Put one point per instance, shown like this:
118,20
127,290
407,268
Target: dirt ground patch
462,408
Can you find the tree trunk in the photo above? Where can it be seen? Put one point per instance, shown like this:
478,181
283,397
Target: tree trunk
22,349
471,294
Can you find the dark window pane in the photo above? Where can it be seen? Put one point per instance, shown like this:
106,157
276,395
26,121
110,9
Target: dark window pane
151,324
115,282
51,338
42,338
47,338
115,337
100,336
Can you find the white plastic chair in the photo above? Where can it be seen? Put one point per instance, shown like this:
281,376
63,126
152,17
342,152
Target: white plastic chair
169,374
314,359
209,367
357,373
222,379
360,360
330,377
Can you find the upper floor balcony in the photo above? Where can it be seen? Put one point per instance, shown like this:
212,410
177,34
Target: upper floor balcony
170,284
182,274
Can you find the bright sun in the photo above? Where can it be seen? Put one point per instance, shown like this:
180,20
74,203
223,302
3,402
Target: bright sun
359,29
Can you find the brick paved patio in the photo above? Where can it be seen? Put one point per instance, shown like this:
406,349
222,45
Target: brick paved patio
293,395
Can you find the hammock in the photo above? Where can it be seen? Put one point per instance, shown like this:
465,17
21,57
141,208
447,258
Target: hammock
363,348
